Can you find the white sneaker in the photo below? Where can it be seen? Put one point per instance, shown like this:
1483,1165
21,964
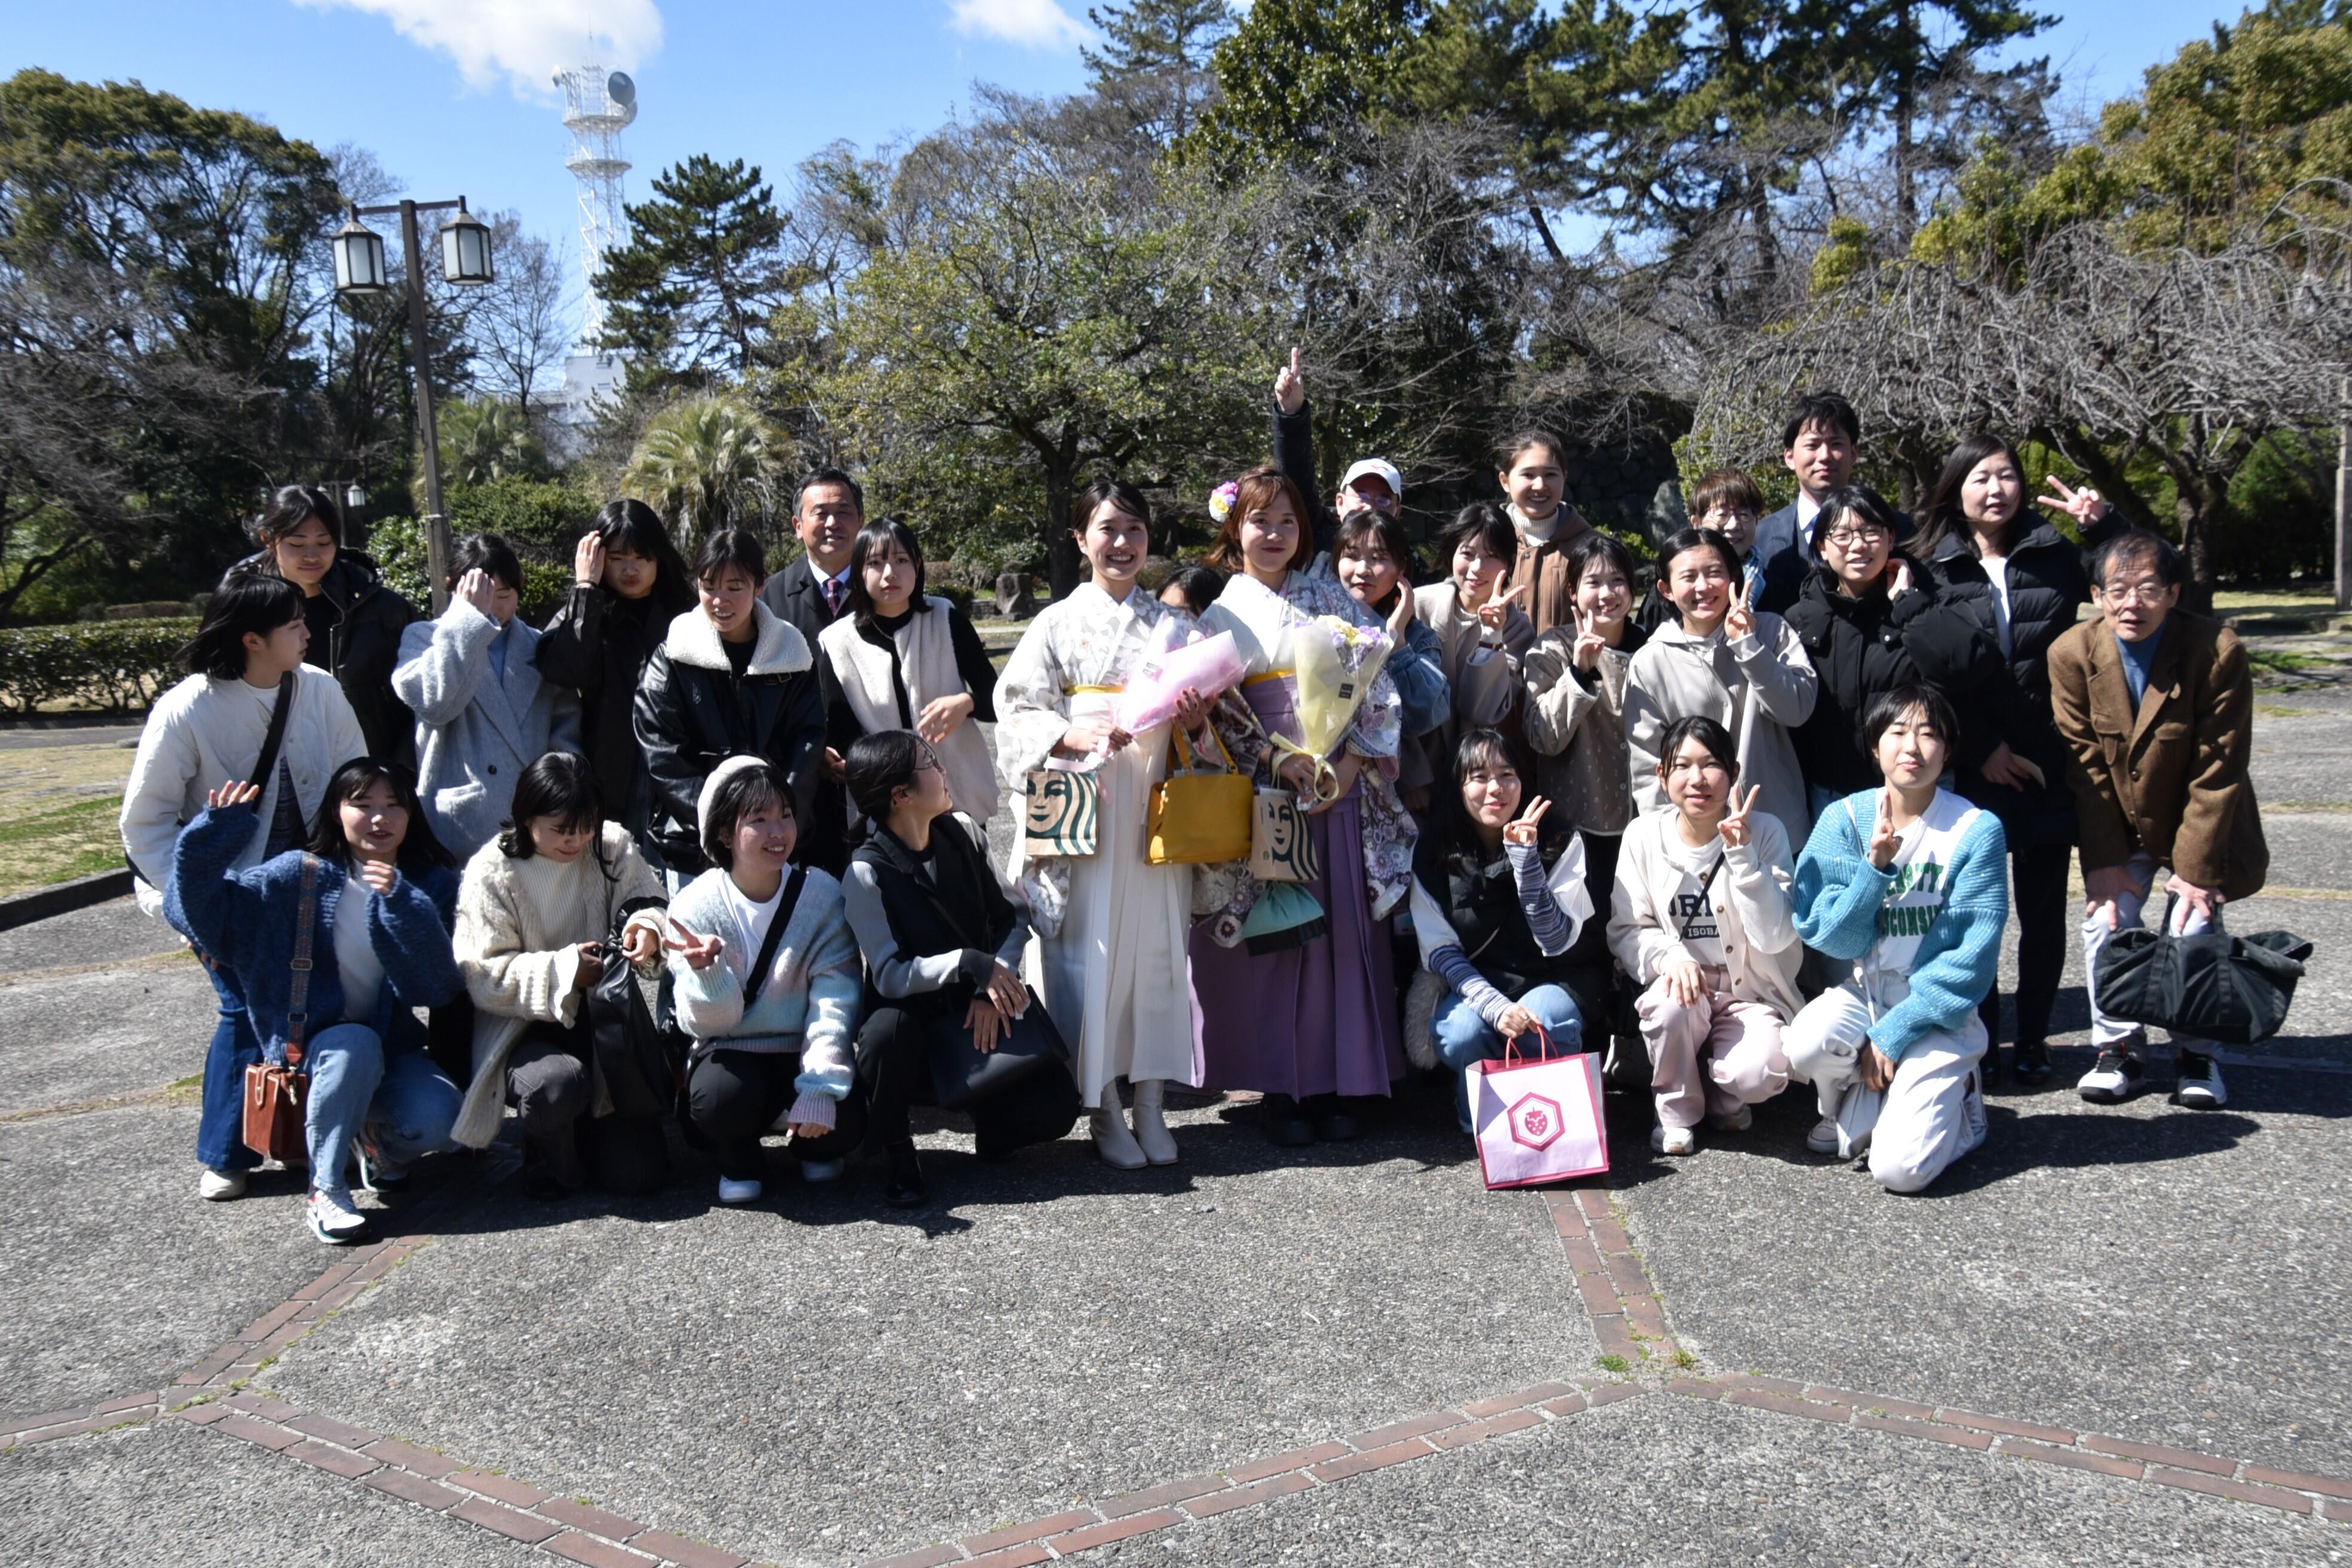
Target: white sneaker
219,1186
1113,1142
819,1171
1739,1120
2200,1082
1973,1114
335,1222
2115,1076
1674,1140
1151,1134
733,1192
1824,1138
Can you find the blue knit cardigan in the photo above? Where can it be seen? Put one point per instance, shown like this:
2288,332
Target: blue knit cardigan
1838,895
244,922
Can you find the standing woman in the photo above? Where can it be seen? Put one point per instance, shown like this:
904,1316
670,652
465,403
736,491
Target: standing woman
730,679
1576,678
355,621
383,897
1112,927
628,583
1871,620
1721,659
214,728
901,660
1372,558
1481,634
1305,1023
2026,582
535,910
483,714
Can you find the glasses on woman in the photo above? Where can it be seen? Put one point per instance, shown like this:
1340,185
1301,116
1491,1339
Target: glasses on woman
1848,535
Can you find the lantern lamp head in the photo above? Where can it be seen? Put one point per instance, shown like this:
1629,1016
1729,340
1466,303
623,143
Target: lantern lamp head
360,267
466,248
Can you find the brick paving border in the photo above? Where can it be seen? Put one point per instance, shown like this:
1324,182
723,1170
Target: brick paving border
1629,1321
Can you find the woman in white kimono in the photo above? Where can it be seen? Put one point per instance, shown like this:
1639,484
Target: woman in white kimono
1111,926
1303,1021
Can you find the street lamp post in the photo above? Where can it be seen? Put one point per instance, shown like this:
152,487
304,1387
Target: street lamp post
360,272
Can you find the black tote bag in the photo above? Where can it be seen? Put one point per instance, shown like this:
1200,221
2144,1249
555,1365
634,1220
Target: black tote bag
2234,990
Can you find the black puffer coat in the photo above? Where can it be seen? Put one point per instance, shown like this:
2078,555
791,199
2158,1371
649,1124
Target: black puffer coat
693,712
598,644
1863,649
2049,582
362,646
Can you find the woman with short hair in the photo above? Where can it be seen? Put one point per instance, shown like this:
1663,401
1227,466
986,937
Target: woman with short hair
246,682
356,622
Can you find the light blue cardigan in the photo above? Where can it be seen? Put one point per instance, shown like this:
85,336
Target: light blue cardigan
1838,895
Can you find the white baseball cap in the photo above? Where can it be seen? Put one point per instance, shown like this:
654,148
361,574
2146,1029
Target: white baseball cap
1379,468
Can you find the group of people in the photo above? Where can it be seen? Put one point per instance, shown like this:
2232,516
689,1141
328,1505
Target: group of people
1752,816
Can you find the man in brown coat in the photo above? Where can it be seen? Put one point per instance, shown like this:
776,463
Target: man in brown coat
2156,707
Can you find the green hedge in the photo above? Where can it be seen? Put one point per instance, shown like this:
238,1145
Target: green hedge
118,665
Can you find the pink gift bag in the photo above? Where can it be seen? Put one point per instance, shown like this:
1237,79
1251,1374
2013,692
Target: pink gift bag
1537,1118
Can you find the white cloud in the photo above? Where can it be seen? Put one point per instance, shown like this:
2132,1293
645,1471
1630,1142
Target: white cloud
524,40
1039,24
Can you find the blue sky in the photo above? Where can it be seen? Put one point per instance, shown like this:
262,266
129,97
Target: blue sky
450,94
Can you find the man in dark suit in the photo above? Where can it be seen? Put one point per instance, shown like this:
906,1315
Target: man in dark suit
1820,445
812,593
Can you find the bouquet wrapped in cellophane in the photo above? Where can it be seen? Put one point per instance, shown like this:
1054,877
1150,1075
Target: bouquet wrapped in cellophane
1335,662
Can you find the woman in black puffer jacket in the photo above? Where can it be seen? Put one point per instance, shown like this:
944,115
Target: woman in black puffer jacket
355,621
628,584
1873,620
2023,583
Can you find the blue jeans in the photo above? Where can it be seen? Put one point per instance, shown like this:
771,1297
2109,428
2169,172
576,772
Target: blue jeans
354,1081
220,1125
1461,1037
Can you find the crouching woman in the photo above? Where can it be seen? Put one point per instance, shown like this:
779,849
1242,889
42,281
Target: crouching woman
1906,887
332,947
766,982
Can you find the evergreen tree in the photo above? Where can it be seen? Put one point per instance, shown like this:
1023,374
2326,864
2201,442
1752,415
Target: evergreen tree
1159,51
688,298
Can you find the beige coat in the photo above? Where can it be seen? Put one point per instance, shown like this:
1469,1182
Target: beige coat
1485,691
1753,908
1577,732
521,961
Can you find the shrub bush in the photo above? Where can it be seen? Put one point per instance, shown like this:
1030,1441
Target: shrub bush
114,665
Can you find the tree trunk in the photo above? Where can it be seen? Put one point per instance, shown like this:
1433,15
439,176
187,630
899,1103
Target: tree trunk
2199,500
1065,567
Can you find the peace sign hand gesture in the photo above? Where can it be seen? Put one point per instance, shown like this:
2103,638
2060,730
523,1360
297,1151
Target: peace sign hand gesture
699,952
1590,644
1885,841
2085,506
1496,610
1531,815
1735,827
1290,387
1739,621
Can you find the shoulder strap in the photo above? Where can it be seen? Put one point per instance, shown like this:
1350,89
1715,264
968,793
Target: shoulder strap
1706,885
267,763
298,994
758,978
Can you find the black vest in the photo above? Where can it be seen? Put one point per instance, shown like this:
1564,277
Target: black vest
1482,904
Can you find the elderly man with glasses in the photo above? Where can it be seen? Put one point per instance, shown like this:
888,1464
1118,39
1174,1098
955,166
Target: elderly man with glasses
2157,706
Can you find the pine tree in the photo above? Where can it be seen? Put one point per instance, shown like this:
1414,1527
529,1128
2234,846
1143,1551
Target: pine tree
1161,48
688,297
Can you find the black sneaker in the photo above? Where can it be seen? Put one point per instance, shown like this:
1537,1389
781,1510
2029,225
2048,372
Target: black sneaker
2115,1077
2032,1064
906,1189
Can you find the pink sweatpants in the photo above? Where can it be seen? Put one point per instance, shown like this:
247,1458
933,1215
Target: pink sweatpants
1711,1056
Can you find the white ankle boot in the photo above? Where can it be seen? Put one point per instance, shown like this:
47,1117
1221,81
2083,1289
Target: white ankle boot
1151,1134
1113,1142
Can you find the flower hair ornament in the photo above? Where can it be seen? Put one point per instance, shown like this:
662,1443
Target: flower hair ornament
1221,501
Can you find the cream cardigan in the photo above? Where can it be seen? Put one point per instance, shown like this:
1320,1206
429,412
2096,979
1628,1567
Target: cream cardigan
520,961
927,663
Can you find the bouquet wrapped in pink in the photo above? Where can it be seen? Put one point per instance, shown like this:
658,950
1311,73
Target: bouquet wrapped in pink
1210,667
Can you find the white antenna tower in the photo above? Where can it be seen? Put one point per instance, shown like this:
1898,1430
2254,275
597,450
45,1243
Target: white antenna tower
597,105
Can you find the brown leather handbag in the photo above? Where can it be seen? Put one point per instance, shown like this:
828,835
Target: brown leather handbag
276,1124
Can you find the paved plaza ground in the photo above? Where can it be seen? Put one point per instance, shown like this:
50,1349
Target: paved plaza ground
2112,1336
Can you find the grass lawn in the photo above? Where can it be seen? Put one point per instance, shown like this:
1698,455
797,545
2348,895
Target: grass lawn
60,844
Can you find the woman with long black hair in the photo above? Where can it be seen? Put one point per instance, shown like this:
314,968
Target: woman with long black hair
629,582
2025,582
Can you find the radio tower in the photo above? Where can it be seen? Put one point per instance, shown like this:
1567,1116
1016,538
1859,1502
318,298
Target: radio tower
597,105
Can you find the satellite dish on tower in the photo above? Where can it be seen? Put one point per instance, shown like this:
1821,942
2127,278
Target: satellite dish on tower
621,91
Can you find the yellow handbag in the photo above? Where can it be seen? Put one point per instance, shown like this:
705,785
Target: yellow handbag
1198,816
